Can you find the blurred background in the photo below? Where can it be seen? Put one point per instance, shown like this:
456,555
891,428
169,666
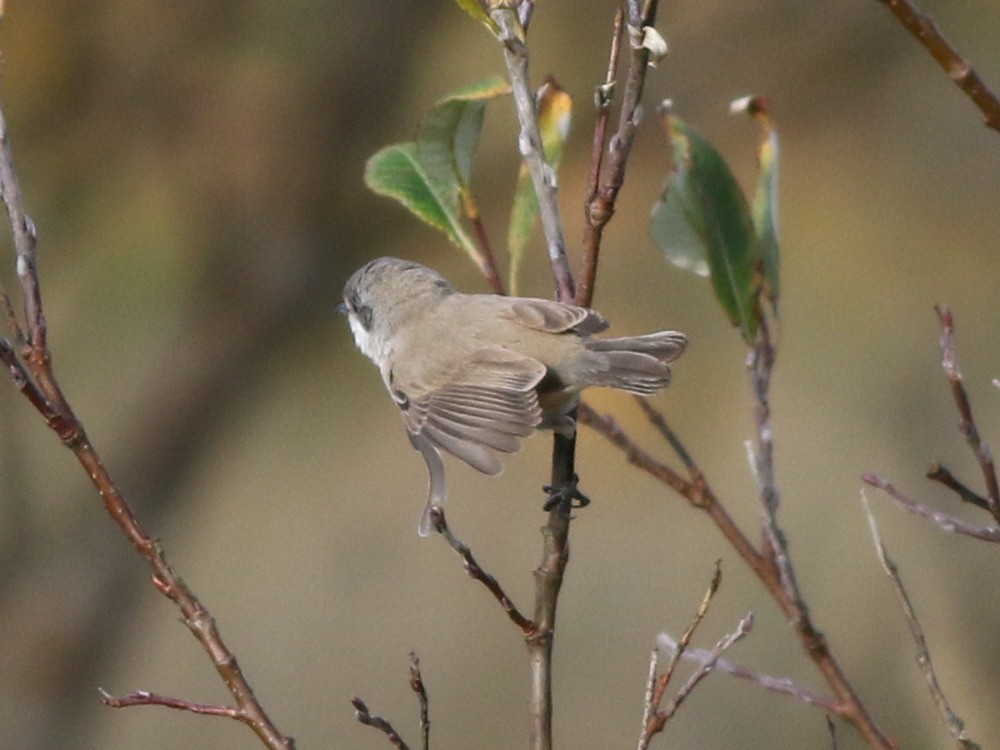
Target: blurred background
195,171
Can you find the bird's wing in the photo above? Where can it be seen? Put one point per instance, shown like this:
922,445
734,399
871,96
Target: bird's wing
555,317
489,403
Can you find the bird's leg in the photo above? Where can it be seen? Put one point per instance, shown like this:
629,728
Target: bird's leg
565,496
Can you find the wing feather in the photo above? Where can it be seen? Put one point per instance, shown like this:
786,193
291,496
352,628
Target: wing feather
556,317
488,404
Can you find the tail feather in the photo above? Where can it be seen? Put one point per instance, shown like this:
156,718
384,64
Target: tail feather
637,364
666,346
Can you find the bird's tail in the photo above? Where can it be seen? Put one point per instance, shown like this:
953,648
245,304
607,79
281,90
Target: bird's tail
637,364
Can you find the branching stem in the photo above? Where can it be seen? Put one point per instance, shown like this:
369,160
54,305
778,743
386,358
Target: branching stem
31,370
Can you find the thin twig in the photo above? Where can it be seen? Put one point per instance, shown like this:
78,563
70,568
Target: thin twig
603,96
440,524
417,686
952,721
609,427
760,364
25,236
610,169
960,70
145,698
13,324
832,729
662,716
652,720
966,423
848,703
34,376
942,520
685,641
699,494
725,643
659,421
487,261
366,717
783,685
24,383
939,473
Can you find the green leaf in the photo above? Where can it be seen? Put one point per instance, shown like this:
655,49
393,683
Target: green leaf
396,172
449,134
555,111
671,226
475,9
702,221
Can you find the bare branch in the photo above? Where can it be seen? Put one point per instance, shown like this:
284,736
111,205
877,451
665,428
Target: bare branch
366,717
681,646
776,684
548,583
608,426
700,495
939,473
603,96
966,423
33,375
24,383
25,235
476,572
543,176
417,686
760,364
953,722
942,520
145,698
659,421
926,32
724,644
653,720
608,172
832,729
486,261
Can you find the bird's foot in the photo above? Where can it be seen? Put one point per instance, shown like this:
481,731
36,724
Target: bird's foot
565,496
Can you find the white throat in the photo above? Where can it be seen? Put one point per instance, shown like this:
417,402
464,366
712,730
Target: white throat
371,346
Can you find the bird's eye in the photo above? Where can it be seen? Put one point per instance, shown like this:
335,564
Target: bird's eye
360,310
364,314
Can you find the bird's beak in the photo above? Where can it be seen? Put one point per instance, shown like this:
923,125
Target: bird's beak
341,309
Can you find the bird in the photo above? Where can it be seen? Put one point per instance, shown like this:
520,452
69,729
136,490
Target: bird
474,374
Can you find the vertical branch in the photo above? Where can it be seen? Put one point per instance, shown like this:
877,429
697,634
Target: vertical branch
548,582
417,686
603,96
543,176
549,574
761,364
966,423
600,206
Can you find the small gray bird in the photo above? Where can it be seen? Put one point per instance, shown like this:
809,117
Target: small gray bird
475,373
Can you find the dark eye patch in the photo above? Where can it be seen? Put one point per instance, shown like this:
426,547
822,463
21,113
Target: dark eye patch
362,311
364,314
